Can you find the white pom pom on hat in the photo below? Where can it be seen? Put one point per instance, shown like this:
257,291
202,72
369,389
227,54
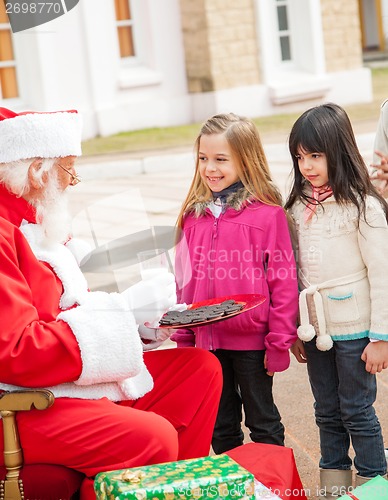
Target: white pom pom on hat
33,134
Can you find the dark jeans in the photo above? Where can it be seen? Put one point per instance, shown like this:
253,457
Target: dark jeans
246,385
344,394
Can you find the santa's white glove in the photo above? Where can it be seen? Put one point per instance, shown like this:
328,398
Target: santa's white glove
161,334
149,300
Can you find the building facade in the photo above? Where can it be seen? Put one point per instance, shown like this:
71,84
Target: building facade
132,64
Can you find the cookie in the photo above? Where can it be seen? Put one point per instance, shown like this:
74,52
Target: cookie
200,314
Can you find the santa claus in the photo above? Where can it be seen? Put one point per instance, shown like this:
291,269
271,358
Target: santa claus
116,406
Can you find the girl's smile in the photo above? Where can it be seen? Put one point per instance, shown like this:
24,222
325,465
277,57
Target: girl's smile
214,180
216,162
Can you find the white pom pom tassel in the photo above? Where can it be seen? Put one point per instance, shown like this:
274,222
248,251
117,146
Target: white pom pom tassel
306,332
324,342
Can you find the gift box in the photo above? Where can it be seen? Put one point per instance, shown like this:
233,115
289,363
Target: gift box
273,466
375,489
217,477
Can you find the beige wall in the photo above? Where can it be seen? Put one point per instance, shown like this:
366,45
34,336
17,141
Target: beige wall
342,34
220,44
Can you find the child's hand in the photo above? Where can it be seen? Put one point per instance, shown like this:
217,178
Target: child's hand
299,352
380,173
375,356
270,374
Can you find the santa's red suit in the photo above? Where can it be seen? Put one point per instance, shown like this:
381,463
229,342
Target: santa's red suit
114,407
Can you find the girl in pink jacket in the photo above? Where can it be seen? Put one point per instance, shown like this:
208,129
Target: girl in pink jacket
235,240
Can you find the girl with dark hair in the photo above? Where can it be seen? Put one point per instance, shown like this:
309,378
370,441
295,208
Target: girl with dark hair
341,237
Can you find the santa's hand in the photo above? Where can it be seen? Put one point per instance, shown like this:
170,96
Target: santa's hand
150,299
161,334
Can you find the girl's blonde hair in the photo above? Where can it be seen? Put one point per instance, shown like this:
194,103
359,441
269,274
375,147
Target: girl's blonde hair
251,162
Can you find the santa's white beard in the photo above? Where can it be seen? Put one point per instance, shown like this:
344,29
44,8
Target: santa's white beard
52,213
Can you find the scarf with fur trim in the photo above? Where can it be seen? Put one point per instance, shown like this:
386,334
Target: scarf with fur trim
235,199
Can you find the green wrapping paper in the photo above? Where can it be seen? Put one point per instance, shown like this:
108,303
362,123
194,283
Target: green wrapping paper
375,489
217,477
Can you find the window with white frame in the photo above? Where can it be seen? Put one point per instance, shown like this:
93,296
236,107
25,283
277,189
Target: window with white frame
136,50
124,23
284,33
8,77
293,63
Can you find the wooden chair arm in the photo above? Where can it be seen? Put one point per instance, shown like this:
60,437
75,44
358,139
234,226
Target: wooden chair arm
40,399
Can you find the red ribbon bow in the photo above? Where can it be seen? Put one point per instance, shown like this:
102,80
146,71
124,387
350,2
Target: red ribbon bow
318,194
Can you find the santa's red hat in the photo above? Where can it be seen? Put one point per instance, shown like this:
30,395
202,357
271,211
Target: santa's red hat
44,135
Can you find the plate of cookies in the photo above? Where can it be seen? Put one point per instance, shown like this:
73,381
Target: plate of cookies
208,311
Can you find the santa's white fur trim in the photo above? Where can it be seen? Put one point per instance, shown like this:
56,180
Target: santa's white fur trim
110,345
63,263
111,391
43,135
110,350
136,387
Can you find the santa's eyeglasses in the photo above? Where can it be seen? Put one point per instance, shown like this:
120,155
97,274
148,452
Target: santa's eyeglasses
75,179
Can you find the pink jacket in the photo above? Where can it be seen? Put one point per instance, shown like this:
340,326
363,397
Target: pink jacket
242,251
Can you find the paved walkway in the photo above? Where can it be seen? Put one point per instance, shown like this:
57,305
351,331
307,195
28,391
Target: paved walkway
127,194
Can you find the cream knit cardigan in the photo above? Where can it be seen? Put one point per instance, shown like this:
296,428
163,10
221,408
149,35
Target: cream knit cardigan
343,272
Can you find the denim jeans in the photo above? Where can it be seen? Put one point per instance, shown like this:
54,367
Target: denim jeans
344,394
247,385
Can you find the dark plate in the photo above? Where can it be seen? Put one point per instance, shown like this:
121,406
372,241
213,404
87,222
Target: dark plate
249,301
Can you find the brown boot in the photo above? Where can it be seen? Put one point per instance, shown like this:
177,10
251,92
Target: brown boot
334,483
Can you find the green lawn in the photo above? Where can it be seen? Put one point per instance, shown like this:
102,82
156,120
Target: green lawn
269,126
